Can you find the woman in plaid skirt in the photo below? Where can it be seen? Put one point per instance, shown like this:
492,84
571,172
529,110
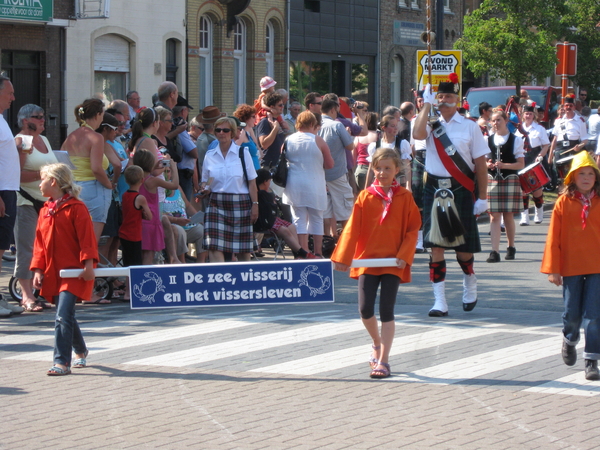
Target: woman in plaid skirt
233,199
504,189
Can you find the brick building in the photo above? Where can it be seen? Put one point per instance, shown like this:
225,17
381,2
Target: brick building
226,60
402,22
32,42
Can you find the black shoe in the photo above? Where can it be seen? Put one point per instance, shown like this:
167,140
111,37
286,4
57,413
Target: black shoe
569,355
591,370
502,229
494,257
469,306
437,313
510,253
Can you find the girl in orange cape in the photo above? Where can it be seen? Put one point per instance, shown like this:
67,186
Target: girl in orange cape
64,239
385,223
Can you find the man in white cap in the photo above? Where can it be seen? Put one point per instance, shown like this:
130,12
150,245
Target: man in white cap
452,164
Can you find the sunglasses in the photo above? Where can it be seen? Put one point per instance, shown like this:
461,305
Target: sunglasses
37,117
222,130
112,127
122,124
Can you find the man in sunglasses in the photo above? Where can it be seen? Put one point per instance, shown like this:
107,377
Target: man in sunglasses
313,102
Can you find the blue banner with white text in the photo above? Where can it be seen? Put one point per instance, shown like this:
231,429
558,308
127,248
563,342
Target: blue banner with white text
228,284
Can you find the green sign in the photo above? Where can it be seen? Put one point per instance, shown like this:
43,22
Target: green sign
38,10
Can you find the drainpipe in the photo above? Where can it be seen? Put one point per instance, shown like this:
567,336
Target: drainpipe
287,49
377,96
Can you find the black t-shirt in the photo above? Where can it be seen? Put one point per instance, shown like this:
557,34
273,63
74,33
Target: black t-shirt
274,150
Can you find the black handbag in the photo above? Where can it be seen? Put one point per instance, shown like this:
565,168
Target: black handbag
281,170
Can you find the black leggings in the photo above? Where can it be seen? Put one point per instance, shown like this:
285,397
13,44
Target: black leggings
367,292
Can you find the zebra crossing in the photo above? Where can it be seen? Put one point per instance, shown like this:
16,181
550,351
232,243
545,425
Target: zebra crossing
323,341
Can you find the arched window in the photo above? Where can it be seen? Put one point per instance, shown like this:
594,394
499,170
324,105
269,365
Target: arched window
171,63
239,63
111,66
396,81
270,49
206,61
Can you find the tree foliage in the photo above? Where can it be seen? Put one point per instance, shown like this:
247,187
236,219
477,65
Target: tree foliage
513,39
582,21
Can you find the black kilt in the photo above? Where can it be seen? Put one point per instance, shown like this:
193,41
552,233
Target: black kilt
464,202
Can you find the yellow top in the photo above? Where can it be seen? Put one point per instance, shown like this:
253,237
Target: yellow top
83,168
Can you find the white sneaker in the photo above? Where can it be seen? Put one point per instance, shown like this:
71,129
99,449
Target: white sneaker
420,241
440,307
469,288
13,309
539,215
524,218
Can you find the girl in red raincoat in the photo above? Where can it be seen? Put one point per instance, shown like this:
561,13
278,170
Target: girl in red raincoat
64,240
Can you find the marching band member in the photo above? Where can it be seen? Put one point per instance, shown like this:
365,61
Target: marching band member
451,170
539,142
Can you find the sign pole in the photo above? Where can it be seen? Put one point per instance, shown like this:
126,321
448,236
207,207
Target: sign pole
564,69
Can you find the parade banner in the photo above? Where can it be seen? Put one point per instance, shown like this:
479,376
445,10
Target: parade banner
229,284
443,63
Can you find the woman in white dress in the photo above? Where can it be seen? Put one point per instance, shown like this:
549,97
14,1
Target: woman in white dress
308,156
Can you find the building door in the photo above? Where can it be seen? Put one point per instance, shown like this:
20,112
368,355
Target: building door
23,69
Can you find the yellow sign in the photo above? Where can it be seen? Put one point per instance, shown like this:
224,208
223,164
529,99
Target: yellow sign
443,63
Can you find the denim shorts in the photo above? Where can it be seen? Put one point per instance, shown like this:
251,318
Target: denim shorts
97,199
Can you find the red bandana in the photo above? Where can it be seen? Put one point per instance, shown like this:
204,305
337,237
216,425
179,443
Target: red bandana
377,190
587,203
54,204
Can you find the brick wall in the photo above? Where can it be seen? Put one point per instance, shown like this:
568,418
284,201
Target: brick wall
255,18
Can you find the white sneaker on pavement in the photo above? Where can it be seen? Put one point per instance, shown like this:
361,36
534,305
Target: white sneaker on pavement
13,309
539,215
440,307
524,218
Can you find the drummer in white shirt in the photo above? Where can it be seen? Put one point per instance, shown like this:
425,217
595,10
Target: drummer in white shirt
539,142
570,133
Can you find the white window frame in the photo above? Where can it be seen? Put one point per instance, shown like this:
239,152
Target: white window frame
402,4
239,63
447,6
205,53
270,49
112,53
414,4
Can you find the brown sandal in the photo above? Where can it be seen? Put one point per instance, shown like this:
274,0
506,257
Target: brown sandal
32,307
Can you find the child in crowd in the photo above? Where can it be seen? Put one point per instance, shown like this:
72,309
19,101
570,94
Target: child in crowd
153,237
269,220
135,208
574,230
64,239
384,223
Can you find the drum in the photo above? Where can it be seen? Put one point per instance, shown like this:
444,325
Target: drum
533,177
563,165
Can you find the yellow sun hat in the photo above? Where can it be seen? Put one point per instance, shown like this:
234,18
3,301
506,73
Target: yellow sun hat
582,159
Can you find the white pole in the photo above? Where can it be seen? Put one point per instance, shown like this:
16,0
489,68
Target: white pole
124,271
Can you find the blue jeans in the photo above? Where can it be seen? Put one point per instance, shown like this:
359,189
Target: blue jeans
582,304
67,334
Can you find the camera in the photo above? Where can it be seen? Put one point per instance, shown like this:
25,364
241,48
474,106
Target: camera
166,162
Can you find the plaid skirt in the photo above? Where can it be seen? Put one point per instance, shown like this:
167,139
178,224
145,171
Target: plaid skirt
505,196
464,202
418,171
227,224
